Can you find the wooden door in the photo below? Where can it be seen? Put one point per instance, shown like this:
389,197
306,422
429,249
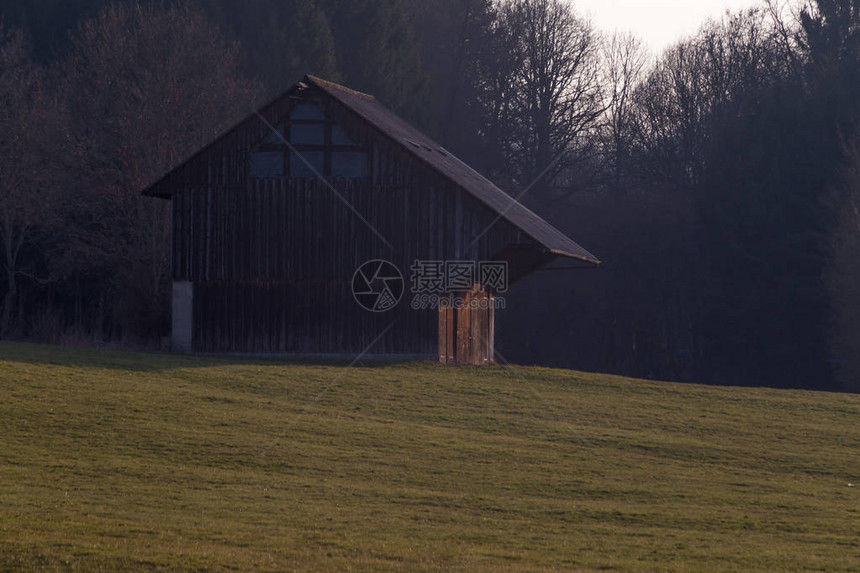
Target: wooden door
467,332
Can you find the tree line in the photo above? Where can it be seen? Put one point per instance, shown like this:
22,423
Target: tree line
719,180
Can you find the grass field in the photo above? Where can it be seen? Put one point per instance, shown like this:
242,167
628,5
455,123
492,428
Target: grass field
119,461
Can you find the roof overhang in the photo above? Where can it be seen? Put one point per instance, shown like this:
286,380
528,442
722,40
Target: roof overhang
550,243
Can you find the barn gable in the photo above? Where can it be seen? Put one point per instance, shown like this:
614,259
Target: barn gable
272,219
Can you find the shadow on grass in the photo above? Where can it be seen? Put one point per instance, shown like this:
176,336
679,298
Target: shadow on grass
140,361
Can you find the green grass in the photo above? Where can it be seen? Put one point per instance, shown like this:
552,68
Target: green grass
119,461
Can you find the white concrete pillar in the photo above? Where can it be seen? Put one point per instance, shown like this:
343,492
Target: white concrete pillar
183,309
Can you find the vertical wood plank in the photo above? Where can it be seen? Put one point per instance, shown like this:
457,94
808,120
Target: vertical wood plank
491,330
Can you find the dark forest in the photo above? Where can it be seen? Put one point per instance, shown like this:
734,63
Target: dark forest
718,181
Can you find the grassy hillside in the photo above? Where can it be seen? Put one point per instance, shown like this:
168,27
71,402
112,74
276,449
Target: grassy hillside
116,461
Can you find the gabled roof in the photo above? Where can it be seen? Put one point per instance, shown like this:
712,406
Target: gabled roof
445,163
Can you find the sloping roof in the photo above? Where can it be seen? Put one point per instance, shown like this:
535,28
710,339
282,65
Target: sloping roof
449,166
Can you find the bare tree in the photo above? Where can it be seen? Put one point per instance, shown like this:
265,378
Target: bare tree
624,59
143,88
696,83
557,97
23,197
498,62
787,28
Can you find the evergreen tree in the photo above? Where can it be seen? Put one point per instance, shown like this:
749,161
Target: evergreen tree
48,22
454,37
771,170
282,39
762,236
831,36
377,51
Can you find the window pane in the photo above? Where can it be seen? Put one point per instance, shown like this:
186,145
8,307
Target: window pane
308,111
275,138
338,137
298,167
267,164
349,164
307,134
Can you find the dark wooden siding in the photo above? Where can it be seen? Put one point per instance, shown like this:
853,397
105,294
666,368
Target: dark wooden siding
272,260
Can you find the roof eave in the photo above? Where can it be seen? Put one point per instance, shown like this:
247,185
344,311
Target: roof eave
150,190
157,189
334,91
591,261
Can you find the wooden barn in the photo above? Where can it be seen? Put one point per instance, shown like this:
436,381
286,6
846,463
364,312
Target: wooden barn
275,222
